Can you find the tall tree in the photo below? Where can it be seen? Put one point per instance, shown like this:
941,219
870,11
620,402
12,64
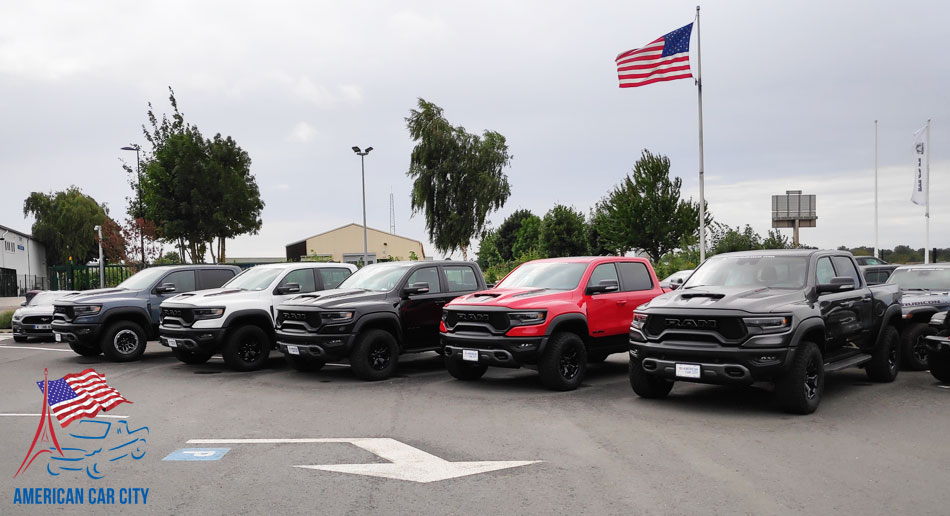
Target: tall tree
488,250
527,238
507,233
65,223
563,232
597,243
458,177
646,212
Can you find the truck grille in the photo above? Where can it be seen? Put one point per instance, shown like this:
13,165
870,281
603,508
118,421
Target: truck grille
177,316
729,328
475,320
64,313
307,321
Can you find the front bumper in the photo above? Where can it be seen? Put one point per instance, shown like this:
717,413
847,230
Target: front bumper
717,364
85,334
207,340
494,350
30,330
938,343
316,346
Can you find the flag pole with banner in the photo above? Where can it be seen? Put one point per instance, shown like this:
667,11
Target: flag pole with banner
921,195
667,59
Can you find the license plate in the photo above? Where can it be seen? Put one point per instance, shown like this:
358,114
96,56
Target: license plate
172,343
42,326
470,355
59,337
687,370
293,350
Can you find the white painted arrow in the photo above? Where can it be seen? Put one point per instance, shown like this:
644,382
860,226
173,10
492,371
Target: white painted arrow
406,462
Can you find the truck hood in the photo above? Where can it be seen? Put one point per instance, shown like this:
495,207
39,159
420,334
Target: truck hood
513,297
98,295
758,300
214,296
337,298
918,298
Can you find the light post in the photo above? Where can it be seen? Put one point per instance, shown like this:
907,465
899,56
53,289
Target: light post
362,155
102,263
138,174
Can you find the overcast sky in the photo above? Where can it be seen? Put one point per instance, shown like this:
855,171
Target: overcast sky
791,92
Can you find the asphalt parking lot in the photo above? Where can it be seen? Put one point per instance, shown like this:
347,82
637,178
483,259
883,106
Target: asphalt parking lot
870,448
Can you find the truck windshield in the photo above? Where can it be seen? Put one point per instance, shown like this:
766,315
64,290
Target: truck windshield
143,279
255,278
552,275
937,278
380,277
754,271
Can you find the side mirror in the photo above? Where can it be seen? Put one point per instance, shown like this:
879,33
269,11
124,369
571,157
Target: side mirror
165,288
676,283
603,287
289,288
415,289
490,285
837,284
23,303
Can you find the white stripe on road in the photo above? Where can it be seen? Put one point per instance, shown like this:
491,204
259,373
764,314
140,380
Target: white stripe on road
37,415
43,349
268,441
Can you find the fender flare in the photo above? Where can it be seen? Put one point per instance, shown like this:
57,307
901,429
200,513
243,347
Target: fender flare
807,325
256,312
372,317
926,312
888,315
560,320
111,314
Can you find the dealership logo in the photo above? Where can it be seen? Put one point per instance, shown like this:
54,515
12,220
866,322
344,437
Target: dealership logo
691,324
920,148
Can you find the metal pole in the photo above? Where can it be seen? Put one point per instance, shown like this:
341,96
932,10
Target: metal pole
102,263
138,172
363,173
927,206
876,246
702,200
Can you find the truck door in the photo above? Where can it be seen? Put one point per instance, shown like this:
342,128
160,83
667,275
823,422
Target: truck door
605,310
421,313
842,324
859,299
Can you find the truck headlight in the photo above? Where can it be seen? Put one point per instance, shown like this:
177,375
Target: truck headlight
86,310
638,321
526,318
208,313
335,317
761,325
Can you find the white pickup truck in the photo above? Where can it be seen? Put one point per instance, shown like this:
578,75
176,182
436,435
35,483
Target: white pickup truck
237,320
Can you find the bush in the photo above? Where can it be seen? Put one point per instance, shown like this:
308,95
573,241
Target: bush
5,318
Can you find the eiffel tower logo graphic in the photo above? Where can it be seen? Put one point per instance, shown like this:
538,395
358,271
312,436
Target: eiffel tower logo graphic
44,432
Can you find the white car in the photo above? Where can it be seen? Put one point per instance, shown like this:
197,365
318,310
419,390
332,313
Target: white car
35,317
237,320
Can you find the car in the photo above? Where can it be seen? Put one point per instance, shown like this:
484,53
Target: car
877,274
119,321
556,314
34,318
782,316
237,320
675,280
380,312
869,260
926,291
938,347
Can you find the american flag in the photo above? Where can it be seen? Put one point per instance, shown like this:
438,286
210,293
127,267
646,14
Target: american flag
76,396
663,59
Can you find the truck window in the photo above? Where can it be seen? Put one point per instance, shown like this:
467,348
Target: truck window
635,276
428,275
303,277
184,281
333,276
844,267
460,278
604,271
824,271
213,278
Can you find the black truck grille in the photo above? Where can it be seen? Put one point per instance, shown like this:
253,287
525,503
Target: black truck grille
65,313
730,328
474,319
298,320
177,316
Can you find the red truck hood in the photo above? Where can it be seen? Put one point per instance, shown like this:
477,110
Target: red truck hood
513,297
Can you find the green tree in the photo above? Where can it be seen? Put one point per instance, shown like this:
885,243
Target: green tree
506,233
64,223
645,211
527,238
597,243
488,250
458,177
169,258
732,240
563,232
776,240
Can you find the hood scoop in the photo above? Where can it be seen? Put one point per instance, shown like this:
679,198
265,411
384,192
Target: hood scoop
222,293
710,295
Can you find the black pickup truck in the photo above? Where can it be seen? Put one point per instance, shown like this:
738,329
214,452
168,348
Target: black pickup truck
381,311
784,316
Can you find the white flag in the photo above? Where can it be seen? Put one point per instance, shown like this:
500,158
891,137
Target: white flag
921,170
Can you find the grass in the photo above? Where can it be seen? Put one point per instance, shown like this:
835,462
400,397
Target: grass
5,318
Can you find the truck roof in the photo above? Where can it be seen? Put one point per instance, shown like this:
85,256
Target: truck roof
783,252
589,259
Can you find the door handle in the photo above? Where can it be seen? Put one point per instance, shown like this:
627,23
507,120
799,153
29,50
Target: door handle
847,304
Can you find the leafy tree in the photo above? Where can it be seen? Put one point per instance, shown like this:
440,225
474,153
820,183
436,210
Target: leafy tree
563,232
527,237
597,243
506,234
488,250
737,240
645,211
64,224
776,240
458,177
139,231
114,244
169,258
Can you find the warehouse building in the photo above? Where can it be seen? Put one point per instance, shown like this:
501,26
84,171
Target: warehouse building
22,263
345,244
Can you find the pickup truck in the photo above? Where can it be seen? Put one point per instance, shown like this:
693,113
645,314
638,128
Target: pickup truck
237,320
380,312
938,347
925,291
557,314
119,321
786,316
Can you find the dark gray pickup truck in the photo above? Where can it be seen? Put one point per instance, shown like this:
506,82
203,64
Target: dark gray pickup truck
785,316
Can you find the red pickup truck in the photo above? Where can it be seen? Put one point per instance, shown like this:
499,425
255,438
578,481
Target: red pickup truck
557,314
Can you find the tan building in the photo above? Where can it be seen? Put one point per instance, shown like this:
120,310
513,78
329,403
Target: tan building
345,244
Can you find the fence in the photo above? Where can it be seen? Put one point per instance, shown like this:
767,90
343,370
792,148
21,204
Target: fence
16,285
86,277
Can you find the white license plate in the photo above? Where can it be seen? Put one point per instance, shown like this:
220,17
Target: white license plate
59,337
293,350
42,327
172,343
470,355
687,370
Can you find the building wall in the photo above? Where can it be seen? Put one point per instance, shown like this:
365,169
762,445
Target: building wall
25,256
348,240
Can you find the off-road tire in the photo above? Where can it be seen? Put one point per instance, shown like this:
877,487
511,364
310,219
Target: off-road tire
86,351
800,390
303,364
465,371
912,346
124,341
375,355
563,363
939,366
246,348
645,384
191,357
885,361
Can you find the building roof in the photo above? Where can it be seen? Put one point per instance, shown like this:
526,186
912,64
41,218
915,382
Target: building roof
11,230
359,226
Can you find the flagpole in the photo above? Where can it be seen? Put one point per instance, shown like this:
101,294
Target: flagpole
927,205
702,200
876,246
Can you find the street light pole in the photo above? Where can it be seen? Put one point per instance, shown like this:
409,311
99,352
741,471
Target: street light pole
102,263
362,155
138,174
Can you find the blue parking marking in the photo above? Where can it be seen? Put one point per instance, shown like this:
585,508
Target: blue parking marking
197,454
